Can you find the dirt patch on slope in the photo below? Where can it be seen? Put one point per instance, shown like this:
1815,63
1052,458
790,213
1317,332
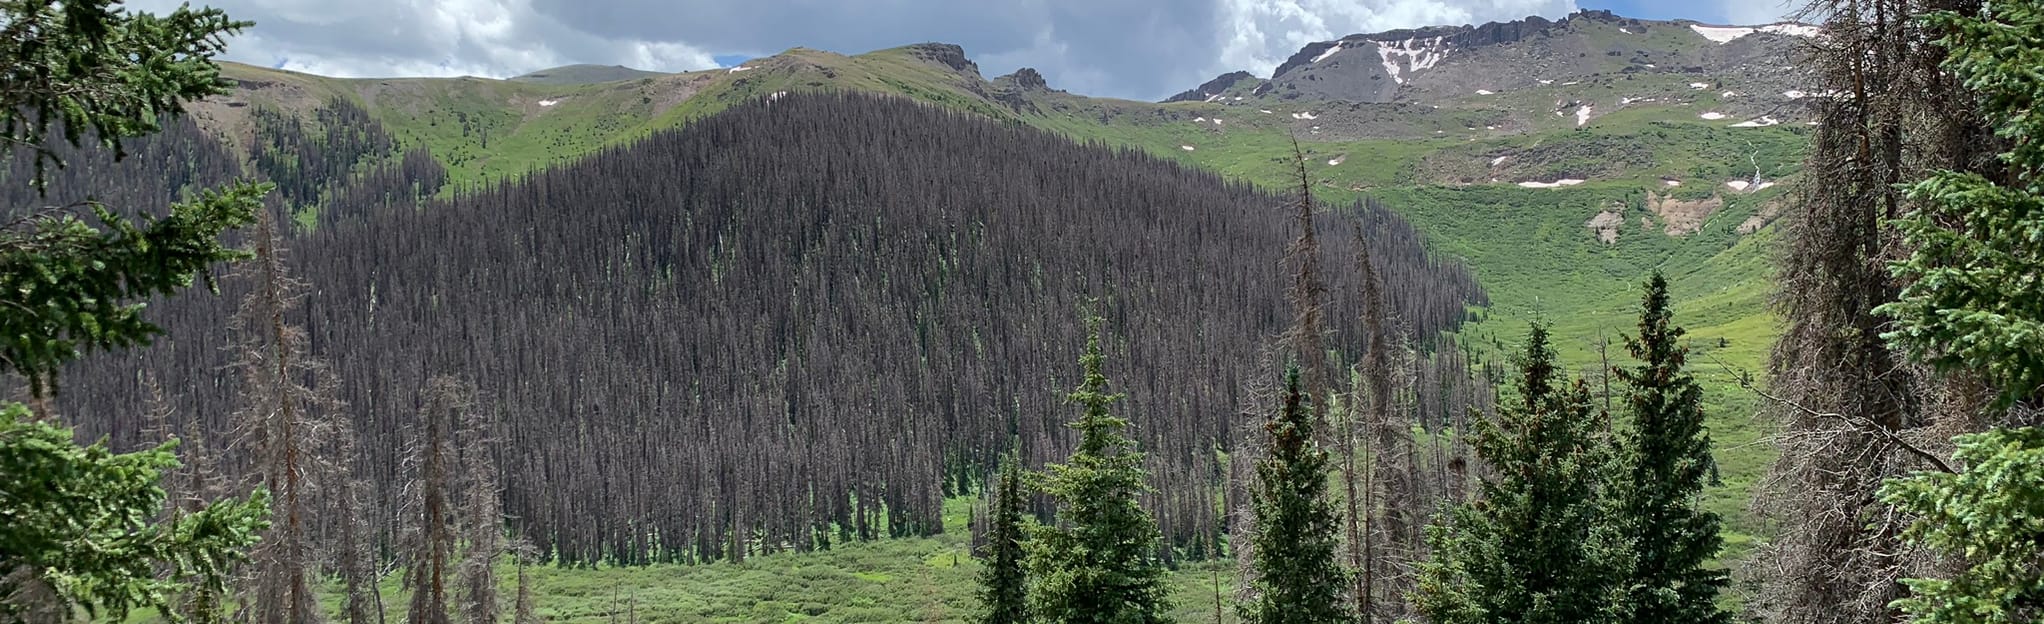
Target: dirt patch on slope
1683,217
1606,224
1760,219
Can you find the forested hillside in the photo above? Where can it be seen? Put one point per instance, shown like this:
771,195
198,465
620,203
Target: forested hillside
805,320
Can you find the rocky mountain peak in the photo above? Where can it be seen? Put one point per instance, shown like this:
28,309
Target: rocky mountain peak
1026,79
947,54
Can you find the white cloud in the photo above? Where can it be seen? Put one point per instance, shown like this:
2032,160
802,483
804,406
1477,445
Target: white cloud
385,38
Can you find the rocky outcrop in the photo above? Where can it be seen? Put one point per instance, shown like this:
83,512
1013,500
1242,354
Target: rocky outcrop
1218,85
1025,79
946,54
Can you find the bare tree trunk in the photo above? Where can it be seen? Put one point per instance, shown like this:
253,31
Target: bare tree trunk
277,417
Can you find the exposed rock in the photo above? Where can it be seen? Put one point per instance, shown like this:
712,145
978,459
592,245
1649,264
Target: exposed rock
1606,224
1026,78
1760,219
946,54
1213,87
1683,217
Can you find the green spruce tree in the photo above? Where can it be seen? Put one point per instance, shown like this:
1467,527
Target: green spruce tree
1003,585
1663,461
81,528
1098,563
1528,549
1974,306
1973,301
1299,579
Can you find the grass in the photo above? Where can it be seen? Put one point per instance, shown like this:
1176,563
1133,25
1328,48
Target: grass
930,579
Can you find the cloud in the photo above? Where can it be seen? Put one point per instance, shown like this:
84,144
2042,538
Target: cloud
384,38
1141,49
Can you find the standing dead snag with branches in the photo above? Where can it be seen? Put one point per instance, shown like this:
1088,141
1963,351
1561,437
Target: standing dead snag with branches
482,518
285,423
434,464
1837,556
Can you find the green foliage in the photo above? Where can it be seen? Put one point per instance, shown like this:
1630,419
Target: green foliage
80,522
1004,590
1663,461
79,527
1099,562
1974,300
71,286
87,66
1991,516
1298,578
1530,548
1974,304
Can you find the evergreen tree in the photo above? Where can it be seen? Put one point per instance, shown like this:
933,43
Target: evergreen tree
1528,550
1004,588
82,528
1098,563
1299,578
1663,461
1974,306
1973,302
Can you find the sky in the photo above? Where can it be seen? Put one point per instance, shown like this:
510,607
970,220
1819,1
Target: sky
1136,49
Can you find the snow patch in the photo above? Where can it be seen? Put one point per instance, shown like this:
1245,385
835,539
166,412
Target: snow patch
1238,98
737,69
1485,92
1331,51
1546,82
1729,94
1213,97
1199,120
546,103
1555,184
1793,30
1672,183
1699,86
1264,111
1727,34
1499,160
1410,56
1739,185
1307,115
1336,160
1713,116
1186,147
1794,94
1217,121
1721,34
1572,83
1582,115
1762,122
1762,186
